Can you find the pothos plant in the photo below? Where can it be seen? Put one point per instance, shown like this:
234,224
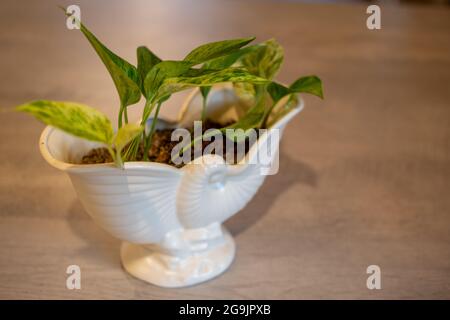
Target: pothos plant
251,68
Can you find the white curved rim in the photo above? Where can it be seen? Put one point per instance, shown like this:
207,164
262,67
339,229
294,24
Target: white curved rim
65,166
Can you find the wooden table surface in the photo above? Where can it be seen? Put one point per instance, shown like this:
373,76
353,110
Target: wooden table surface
364,178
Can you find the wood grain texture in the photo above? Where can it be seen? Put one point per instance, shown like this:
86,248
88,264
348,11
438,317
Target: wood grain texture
365,174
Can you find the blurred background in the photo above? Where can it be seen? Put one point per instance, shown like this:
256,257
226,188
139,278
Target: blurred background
364,174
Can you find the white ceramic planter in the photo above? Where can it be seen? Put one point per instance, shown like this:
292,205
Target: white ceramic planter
169,219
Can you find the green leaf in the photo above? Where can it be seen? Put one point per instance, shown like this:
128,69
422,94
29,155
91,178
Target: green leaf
124,75
224,62
175,84
308,84
266,61
250,120
146,60
277,91
228,60
125,134
280,110
74,118
253,118
246,92
215,49
160,72
205,91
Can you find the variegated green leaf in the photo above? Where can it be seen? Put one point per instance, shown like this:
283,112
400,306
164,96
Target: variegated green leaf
228,60
146,60
308,84
277,91
266,61
215,49
221,63
175,84
160,72
125,134
124,75
252,119
254,116
245,92
280,110
74,118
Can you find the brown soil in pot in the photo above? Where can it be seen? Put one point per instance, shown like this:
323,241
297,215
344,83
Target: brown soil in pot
161,148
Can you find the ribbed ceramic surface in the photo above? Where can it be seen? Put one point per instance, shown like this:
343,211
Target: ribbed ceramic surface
133,204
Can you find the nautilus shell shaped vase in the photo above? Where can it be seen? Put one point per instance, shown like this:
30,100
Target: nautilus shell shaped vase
169,219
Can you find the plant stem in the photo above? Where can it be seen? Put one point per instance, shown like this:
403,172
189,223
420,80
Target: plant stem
204,109
125,114
116,157
119,118
259,97
148,108
133,148
259,93
148,141
118,160
267,114
130,153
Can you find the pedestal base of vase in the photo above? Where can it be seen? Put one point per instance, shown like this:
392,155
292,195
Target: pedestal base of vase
174,271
